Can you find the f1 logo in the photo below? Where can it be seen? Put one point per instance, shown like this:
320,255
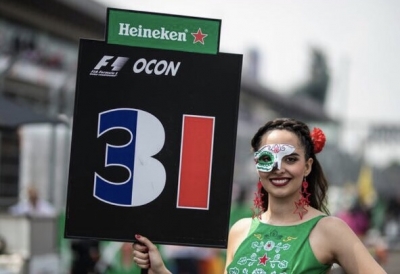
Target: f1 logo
116,65
147,176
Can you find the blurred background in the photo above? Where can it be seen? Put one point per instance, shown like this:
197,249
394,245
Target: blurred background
333,64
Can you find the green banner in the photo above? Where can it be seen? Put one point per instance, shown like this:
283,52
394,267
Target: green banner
161,31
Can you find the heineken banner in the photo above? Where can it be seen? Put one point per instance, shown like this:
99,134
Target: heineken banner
153,30
153,144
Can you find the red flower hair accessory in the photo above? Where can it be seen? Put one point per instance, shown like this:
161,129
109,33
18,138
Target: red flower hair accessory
318,138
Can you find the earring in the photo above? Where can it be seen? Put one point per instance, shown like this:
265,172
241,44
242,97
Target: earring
304,200
258,202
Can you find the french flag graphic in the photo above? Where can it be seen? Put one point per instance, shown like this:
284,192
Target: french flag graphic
147,175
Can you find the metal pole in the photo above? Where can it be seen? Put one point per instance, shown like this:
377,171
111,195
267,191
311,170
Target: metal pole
53,109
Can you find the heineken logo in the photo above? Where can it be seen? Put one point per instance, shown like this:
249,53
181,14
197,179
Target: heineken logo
162,31
199,36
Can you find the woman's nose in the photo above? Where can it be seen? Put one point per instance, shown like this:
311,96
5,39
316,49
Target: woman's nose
276,168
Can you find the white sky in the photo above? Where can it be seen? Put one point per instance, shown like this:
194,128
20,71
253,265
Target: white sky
361,39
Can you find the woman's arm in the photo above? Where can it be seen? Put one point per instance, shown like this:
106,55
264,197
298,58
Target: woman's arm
146,256
347,249
236,236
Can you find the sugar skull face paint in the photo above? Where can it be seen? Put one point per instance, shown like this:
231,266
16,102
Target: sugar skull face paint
270,156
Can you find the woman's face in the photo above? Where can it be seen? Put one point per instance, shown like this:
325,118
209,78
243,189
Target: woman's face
287,175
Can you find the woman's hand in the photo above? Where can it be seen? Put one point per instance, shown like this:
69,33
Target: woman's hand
147,256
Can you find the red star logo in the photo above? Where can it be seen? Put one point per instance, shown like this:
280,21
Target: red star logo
263,260
199,36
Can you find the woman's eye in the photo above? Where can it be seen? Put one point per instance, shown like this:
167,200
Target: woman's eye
265,159
291,159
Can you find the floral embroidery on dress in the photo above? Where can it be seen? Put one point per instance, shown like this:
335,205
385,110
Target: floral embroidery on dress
258,236
274,234
275,245
257,245
263,260
259,271
289,238
234,270
281,246
275,250
269,245
249,261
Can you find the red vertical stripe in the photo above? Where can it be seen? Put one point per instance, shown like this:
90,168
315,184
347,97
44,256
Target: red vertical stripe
196,159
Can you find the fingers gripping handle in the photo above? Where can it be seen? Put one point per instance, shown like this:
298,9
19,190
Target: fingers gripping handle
143,270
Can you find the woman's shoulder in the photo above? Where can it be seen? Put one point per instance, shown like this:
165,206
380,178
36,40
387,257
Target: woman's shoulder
331,220
243,222
242,225
332,225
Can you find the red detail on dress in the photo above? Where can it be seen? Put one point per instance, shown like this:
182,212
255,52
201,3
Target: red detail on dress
263,260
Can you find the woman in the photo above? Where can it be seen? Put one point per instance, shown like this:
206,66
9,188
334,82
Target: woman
292,233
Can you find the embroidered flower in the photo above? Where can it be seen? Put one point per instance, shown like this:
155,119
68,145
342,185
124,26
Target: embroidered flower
318,138
269,245
274,234
242,261
259,271
234,270
257,245
283,264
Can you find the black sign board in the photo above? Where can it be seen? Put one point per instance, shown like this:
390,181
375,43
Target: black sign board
153,145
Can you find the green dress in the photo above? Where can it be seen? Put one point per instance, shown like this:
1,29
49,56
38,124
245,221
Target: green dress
270,249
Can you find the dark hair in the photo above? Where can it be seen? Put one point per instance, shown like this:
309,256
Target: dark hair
317,183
